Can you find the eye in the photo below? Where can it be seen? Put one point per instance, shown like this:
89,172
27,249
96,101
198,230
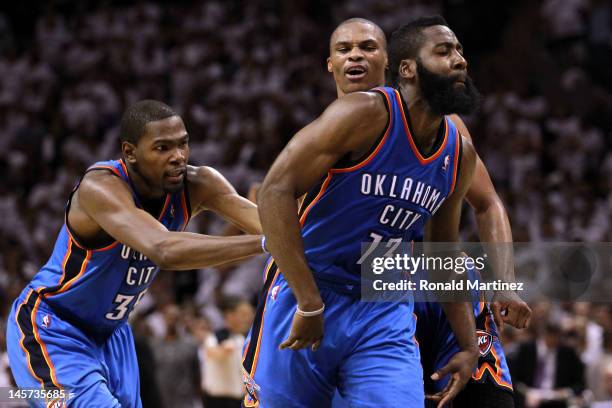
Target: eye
342,50
161,148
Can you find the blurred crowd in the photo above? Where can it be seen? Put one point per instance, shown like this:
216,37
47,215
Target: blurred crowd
245,75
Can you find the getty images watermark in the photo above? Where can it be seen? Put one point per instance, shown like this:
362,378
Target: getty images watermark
398,270
417,266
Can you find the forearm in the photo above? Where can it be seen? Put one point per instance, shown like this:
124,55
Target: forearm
461,318
278,213
183,250
248,221
495,233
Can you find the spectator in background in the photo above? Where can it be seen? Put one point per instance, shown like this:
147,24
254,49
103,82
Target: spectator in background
149,389
177,364
223,355
604,400
546,372
599,374
544,130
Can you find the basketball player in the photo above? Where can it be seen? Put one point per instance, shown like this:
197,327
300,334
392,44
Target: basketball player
67,330
370,178
357,60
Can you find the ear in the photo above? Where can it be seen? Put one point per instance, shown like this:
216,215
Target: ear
128,150
329,65
408,69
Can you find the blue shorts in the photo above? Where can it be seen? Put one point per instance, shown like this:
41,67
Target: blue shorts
368,353
48,352
437,344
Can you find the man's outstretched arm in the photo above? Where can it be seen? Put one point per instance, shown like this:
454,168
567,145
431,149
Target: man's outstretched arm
494,227
107,201
209,190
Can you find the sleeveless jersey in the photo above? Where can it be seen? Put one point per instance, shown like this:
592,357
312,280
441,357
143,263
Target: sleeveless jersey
388,197
96,289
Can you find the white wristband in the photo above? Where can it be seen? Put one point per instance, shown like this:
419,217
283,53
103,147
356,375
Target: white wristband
263,245
309,314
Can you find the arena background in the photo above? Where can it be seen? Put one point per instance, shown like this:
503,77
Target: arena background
245,75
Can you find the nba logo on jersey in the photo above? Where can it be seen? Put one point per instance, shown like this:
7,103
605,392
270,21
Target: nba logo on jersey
485,341
47,321
446,162
274,293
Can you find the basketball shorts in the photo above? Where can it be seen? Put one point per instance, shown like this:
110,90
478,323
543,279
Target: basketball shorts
437,345
46,352
368,353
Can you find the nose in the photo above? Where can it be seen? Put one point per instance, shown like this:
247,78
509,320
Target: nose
459,62
355,54
179,156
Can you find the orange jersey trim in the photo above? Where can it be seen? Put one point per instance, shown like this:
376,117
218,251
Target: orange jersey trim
163,211
415,150
106,248
68,284
111,168
185,212
496,372
317,198
124,167
263,318
68,252
267,270
457,158
371,156
357,166
43,346
248,404
481,306
27,353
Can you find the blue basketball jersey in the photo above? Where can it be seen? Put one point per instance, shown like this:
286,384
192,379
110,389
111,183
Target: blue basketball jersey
389,195
97,288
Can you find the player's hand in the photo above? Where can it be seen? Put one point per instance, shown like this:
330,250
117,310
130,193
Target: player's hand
460,368
508,307
305,332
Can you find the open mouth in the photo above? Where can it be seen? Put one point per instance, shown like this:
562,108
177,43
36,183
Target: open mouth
355,72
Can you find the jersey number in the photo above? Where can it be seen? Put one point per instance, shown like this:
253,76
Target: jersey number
392,244
125,304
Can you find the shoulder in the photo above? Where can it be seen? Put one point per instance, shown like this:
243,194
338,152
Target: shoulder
353,121
206,185
203,177
102,182
467,164
461,127
468,151
358,104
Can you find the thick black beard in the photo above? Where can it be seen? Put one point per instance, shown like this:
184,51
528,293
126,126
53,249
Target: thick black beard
443,97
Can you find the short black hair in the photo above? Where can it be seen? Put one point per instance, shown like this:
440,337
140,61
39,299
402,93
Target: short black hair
406,41
363,21
136,117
